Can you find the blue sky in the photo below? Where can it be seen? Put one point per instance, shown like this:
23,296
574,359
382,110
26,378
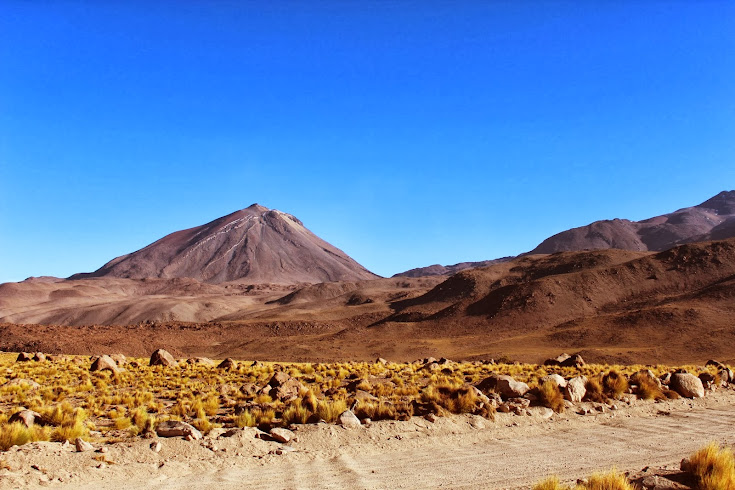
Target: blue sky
405,133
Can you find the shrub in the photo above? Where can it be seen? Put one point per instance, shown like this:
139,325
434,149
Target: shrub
17,434
714,467
648,389
615,384
550,396
551,483
608,481
330,410
594,391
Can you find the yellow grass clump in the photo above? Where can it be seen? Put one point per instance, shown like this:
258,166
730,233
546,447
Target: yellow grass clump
714,467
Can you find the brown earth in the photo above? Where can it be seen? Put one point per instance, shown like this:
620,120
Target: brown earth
611,305
257,244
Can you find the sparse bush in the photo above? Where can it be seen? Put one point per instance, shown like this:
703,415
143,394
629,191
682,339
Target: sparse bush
17,434
594,391
551,483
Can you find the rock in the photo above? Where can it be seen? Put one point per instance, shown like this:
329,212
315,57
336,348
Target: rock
200,361
686,465
27,418
716,364
687,385
545,413
162,357
431,417
515,405
103,363
227,364
349,420
665,379
646,374
708,380
281,435
119,359
364,396
431,366
82,445
575,389
248,389
725,376
288,390
574,361
556,361
156,446
278,379
23,382
380,360
510,388
39,357
488,384
23,357
175,428
554,378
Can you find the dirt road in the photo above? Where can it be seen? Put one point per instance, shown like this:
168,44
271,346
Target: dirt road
457,452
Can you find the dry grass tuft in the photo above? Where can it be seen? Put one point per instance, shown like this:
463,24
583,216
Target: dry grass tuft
595,392
714,467
615,384
550,396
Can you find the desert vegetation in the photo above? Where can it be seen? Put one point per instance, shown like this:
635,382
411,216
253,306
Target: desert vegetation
130,398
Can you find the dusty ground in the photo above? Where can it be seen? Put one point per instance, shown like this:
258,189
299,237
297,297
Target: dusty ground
456,452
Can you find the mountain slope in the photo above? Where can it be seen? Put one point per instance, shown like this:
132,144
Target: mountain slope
255,244
713,219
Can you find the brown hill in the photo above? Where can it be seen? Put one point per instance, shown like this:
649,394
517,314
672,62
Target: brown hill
611,305
713,219
448,270
254,244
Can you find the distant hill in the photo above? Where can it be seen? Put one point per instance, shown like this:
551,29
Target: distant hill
448,270
255,244
714,219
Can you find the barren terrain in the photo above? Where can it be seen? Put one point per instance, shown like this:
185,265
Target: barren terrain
454,452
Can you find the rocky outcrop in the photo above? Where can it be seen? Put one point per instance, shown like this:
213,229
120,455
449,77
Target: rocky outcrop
162,357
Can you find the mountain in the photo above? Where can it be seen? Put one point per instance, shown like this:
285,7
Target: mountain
714,219
448,270
255,244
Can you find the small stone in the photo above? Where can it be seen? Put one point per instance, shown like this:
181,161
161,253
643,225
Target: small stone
82,445
281,435
104,449
156,446
173,428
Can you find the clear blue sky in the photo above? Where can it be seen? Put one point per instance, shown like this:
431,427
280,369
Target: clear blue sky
406,133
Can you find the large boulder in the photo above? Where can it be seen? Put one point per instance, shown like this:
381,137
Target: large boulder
119,359
687,385
175,428
288,390
510,388
278,379
23,382
162,357
24,357
575,389
105,363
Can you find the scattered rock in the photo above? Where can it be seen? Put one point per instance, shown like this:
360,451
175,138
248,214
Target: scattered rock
156,446
248,389
22,381
162,357
382,361
557,360
105,362
23,357
510,388
27,417
431,366
364,396
573,361
174,428
282,435
349,420
119,359
575,389
288,390
687,385
726,376
716,364
554,378
545,413
227,364
200,361
82,445
515,405
278,379
39,357
708,380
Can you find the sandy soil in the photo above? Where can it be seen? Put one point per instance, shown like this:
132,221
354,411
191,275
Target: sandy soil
455,452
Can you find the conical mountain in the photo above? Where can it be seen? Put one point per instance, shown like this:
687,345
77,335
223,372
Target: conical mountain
255,244
714,219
